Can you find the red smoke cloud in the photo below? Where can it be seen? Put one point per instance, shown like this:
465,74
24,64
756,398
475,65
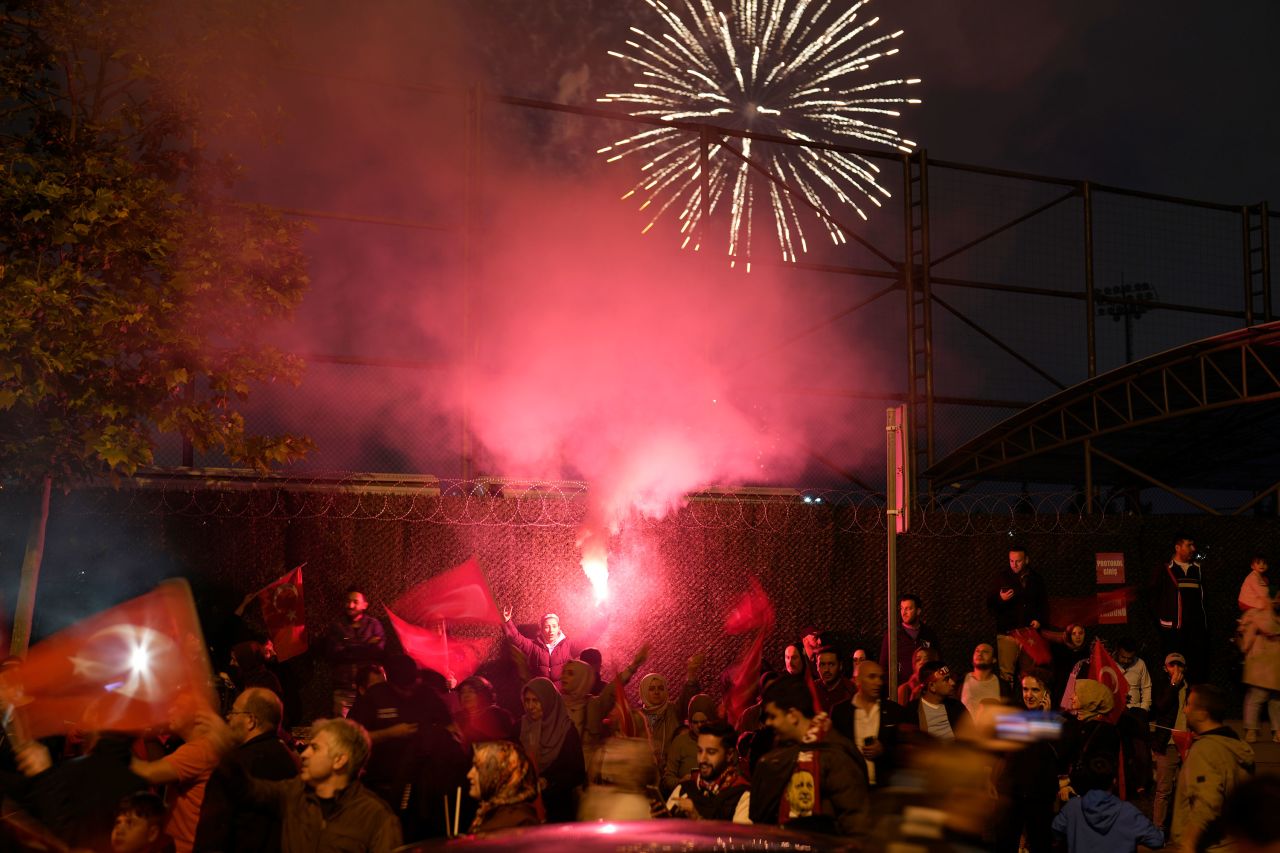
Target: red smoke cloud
590,352
614,358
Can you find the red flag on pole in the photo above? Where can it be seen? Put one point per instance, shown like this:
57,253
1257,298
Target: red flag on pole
283,614
623,720
744,679
458,657
121,669
1182,740
460,594
1031,642
1103,668
753,612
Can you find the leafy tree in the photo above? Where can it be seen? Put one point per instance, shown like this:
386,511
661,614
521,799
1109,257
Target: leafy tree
133,294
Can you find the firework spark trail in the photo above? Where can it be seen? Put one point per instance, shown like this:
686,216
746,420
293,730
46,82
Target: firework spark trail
786,68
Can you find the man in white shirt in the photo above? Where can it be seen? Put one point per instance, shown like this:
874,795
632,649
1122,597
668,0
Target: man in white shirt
937,712
870,722
982,682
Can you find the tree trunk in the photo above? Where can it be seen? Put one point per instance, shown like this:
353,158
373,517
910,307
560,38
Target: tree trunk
26,603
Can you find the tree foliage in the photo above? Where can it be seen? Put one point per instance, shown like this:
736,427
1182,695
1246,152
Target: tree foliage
133,293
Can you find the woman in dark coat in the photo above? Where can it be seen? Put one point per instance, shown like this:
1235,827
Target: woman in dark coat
504,782
549,738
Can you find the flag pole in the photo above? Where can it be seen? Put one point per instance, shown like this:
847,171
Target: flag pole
457,810
444,634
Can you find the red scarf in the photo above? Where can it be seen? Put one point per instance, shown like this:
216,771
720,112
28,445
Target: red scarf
726,779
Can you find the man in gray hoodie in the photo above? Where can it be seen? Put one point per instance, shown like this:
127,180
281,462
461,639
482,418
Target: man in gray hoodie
1218,761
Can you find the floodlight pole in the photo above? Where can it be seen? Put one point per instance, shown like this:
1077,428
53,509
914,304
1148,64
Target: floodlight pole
894,424
471,113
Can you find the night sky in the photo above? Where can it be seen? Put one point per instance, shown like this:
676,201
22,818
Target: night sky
1173,97
1162,97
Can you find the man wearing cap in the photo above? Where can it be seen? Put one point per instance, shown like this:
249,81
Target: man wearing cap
1168,715
937,713
1178,601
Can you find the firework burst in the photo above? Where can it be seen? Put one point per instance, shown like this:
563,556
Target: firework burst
790,68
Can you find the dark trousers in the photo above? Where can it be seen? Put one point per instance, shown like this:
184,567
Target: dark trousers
1135,741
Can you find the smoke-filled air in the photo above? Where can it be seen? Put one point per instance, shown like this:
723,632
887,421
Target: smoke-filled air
572,345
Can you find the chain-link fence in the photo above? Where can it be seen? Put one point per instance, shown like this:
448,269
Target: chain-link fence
820,557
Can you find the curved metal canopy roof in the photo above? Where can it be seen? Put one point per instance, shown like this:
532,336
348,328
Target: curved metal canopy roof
1202,415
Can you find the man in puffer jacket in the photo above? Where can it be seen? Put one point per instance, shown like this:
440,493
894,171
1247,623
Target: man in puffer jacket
1218,761
1100,822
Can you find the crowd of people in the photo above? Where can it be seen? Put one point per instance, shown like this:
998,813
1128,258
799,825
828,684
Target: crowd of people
1026,750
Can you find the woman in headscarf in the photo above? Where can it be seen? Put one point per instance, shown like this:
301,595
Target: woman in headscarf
505,784
550,739
1091,735
479,718
576,680
682,755
663,716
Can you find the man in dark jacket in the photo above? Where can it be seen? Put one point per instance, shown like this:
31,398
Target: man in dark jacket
1017,599
814,779
937,713
831,687
325,808
913,634
1177,596
870,722
352,644
713,791
225,824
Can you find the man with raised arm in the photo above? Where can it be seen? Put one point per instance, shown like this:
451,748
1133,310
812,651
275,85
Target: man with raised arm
547,654
325,807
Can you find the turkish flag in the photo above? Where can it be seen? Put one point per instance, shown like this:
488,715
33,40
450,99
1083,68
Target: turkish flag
1103,668
623,720
1182,740
744,680
283,614
456,657
119,670
753,612
1031,642
460,594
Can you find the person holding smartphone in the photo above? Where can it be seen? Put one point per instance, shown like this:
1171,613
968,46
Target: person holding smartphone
870,722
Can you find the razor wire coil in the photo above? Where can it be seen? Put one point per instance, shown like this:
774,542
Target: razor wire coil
564,504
